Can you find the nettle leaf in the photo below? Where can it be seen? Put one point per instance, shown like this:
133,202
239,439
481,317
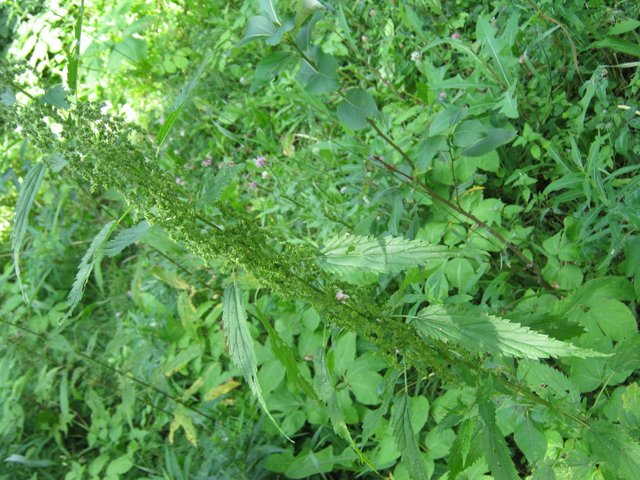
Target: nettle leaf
495,447
258,27
477,139
56,96
240,343
214,184
357,106
335,412
88,262
322,77
378,255
406,440
481,333
126,237
26,197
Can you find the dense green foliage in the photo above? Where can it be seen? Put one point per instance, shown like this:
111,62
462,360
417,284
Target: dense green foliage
306,239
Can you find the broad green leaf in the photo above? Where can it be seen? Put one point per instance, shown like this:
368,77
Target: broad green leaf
509,105
126,237
357,106
378,255
478,332
303,37
268,68
215,183
311,463
56,96
307,8
618,45
406,439
258,27
335,412
322,77
8,97
530,440
280,32
88,262
240,343
476,139
182,359
268,9
119,466
494,446
609,317
26,197
615,449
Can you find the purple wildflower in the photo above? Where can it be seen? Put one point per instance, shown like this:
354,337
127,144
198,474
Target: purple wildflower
260,161
341,296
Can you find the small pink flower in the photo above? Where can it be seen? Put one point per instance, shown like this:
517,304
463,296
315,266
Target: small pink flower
253,185
161,120
341,296
207,162
455,36
180,181
260,161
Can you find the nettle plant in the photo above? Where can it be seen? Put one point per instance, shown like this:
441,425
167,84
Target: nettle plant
486,350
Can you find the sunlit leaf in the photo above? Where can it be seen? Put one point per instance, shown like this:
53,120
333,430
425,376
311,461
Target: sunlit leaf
26,197
126,237
88,262
478,332
240,343
378,255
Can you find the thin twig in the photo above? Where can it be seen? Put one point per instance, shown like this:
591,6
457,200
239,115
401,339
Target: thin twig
436,196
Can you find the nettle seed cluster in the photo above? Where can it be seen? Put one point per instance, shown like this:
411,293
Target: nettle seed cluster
111,154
